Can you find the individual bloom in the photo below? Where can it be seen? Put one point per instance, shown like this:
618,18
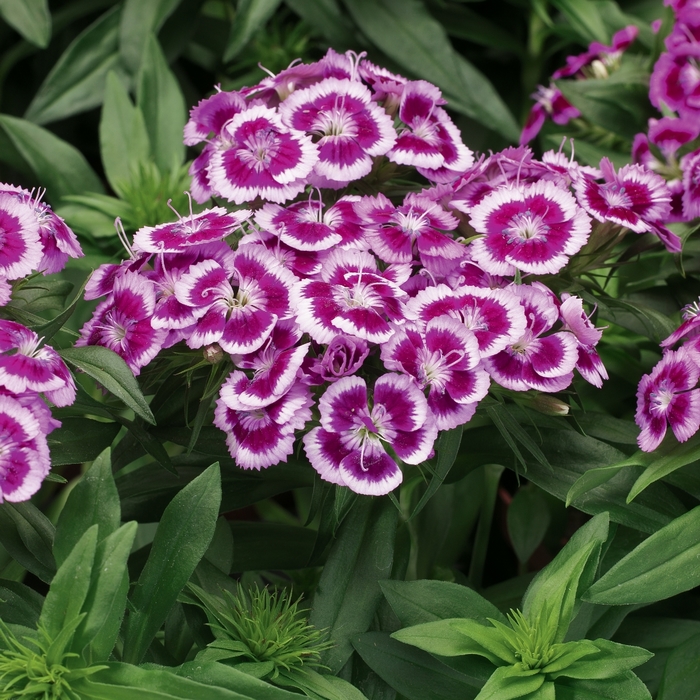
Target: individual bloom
494,316
349,446
675,84
666,397
349,128
574,319
353,298
690,328
20,243
535,360
418,223
170,313
239,320
206,227
428,138
261,158
122,322
533,228
445,358
25,366
262,437
549,102
210,115
563,170
633,197
275,368
5,291
342,357
301,263
306,226
690,165
670,133
24,454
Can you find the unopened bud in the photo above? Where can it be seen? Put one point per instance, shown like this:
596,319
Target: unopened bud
549,405
213,353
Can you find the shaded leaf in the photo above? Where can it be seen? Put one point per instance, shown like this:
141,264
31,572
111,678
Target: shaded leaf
528,520
27,535
251,16
31,18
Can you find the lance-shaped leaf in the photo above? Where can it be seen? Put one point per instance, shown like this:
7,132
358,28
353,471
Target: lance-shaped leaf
31,18
510,682
80,440
27,535
250,17
665,564
612,659
182,538
112,372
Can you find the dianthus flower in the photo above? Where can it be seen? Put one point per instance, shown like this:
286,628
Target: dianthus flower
349,446
666,397
21,250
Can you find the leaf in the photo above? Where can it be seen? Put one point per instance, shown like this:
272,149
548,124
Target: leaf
584,17
112,372
98,631
665,564
612,660
407,33
182,538
348,592
447,451
528,520
76,82
27,535
19,604
160,99
31,18
270,546
327,19
54,163
414,673
681,677
416,602
93,501
624,687
70,585
124,143
510,682
80,440
251,16
138,21
637,317
320,687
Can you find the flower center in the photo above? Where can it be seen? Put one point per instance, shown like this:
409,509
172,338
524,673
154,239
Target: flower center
524,227
616,196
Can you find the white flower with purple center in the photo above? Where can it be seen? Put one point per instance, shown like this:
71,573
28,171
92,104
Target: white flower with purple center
494,316
350,446
211,114
306,226
24,453
353,298
666,397
239,319
445,358
260,157
195,229
419,223
349,128
633,197
536,361
532,228
258,438
122,322
25,365
20,243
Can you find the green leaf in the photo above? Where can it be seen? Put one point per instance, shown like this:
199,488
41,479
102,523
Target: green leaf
76,82
320,687
612,660
416,602
54,163
70,585
414,673
510,682
124,142
634,316
19,604
138,21
270,546
93,501
665,564
251,16
681,677
112,372
80,440
528,520
182,538
583,16
27,535
348,592
31,18
327,19
624,687
160,99
98,631
447,451
557,588
407,33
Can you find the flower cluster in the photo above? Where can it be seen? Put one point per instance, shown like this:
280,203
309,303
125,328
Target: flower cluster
370,322
32,238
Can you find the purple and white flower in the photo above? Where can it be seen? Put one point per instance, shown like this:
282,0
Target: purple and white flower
20,242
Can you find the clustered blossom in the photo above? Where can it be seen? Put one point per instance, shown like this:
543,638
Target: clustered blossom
365,322
32,239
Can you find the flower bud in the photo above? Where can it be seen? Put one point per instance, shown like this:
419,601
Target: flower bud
213,353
